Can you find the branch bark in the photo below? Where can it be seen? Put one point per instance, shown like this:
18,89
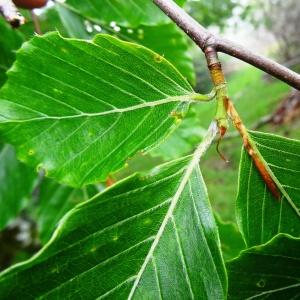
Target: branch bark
9,11
203,38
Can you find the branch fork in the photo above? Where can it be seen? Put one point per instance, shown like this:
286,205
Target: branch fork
203,38
210,45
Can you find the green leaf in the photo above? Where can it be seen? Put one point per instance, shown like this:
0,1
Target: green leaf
269,271
122,12
54,201
232,242
184,139
167,39
260,215
10,40
88,106
147,237
17,182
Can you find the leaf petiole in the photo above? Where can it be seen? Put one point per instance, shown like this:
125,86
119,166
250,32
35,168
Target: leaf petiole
205,97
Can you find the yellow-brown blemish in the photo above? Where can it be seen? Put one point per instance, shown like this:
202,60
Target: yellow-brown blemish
158,58
178,116
147,221
109,181
31,152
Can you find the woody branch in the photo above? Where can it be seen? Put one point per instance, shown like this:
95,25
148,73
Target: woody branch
203,38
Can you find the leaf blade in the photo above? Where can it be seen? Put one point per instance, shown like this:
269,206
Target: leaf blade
54,201
269,270
255,203
114,242
67,106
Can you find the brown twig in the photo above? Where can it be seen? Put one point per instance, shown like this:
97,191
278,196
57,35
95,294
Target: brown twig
10,12
225,108
203,38
252,150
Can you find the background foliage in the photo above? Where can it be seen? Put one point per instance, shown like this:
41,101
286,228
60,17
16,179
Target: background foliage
112,232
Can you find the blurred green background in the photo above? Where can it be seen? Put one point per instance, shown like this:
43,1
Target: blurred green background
264,103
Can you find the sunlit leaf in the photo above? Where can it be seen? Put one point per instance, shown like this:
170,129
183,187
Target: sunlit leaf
88,106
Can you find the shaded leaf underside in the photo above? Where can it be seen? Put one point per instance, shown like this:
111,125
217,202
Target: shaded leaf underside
92,103
148,237
261,216
269,271
54,201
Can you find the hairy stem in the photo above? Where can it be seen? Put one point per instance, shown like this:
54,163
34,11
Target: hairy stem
203,38
252,150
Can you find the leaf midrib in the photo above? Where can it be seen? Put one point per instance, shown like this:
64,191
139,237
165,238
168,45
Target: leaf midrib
201,149
274,291
184,98
279,185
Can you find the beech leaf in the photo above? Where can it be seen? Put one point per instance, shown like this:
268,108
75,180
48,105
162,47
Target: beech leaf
260,215
269,271
150,236
88,106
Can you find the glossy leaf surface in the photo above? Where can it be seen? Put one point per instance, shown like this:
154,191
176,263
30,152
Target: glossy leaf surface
148,237
269,271
89,105
16,185
261,216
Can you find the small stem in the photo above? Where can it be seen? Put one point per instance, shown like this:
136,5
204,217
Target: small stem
210,44
218,79
36,22
204,97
